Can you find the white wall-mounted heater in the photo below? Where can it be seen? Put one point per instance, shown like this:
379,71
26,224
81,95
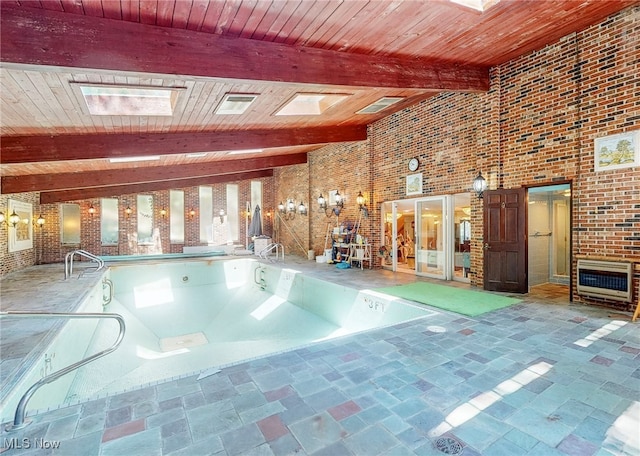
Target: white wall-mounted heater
605,279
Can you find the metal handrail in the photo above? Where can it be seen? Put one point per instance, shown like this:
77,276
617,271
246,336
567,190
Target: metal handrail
270,248
68,261
19,421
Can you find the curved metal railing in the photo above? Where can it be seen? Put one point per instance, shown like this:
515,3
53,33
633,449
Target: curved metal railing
264,253
68,262
19,419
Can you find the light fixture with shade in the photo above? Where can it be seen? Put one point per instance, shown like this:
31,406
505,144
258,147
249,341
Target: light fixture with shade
40,221
128,211
221,214
479,185
192,212
289,209
163,212
339,204
92,210
14,219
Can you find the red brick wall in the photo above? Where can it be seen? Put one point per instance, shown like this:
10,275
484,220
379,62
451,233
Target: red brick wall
48,248
536,125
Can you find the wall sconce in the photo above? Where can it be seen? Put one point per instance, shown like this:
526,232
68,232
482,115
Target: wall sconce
339,204
479,184
92,210
163,212
40,221
221,214
302,209
289,211
128,211
360,200
14,219
192,212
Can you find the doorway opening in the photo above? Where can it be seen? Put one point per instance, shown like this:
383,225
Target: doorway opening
428,236
549,227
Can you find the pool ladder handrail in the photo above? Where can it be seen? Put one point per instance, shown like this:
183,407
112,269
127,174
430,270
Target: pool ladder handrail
68,262
264,253
19,418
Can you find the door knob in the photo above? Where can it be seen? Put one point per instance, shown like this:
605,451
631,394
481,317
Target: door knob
487,246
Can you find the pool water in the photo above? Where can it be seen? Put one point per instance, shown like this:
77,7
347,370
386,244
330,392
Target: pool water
189,317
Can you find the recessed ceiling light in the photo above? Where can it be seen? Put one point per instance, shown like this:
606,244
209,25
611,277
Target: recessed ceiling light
310,104
113,100
134,159
235,103
382,103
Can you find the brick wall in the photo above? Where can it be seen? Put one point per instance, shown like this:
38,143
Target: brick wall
47,241
535,126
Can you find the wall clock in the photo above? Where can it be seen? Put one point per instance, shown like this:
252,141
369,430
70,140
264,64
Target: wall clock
413,164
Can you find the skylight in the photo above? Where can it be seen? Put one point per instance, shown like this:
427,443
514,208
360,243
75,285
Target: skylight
480,5
134,159
106,100
382,103
244,151
235,103
310,104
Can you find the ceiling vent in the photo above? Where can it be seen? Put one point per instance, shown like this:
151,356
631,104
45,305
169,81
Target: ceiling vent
382,103
235,103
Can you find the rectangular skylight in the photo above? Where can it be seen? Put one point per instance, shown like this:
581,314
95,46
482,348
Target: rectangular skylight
310,104
382,103
480,5
107,100
235,103
245,151
134,159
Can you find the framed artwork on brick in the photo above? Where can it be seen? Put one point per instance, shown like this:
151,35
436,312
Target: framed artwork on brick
414,184
20,234
617,151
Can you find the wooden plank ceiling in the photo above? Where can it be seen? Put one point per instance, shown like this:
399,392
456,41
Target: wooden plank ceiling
207,49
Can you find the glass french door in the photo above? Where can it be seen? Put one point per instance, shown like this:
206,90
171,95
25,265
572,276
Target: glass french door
432,238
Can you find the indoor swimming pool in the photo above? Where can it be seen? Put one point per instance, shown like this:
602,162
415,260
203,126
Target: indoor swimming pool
190,317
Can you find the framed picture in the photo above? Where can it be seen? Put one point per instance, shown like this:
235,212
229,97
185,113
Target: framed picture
617,151
21,235
414,184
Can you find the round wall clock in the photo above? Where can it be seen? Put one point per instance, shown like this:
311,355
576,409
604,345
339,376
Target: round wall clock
413,164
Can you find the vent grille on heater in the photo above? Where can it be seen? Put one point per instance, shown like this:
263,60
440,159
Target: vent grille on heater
605,279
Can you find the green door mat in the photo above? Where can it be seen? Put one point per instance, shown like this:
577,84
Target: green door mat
465,302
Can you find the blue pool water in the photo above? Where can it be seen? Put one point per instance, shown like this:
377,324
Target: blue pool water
194,316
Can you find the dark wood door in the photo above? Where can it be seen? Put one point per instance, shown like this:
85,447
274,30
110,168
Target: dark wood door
505,240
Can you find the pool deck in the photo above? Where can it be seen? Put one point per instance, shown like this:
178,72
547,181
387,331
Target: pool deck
542,377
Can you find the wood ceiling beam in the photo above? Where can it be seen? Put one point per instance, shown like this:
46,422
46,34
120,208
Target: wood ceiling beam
117,190
44,37
122,176
32,149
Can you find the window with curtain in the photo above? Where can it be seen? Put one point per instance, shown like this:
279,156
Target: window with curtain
145,219
176,216
70,223
233,219
206,214
109,221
